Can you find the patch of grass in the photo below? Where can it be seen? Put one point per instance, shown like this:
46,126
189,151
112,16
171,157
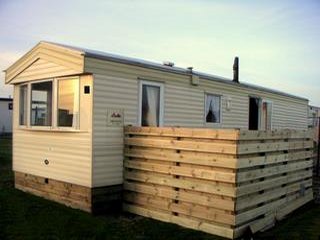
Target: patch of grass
24,216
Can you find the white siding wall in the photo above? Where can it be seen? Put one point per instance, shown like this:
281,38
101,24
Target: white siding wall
111,92
116,86
5,117
69,152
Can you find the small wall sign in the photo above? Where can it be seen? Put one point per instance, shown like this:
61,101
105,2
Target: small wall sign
115,117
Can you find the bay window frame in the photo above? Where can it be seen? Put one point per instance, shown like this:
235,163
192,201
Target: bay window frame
54,106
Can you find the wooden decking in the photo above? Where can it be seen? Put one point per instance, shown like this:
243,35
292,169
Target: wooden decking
217,181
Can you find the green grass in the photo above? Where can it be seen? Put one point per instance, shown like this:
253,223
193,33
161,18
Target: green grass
24,216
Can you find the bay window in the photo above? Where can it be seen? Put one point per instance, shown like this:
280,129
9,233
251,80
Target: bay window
52,103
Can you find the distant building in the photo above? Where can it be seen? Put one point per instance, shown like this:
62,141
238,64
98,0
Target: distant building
313,114
6,106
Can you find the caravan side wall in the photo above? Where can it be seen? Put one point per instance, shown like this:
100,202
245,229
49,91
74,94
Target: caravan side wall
116,87
68,152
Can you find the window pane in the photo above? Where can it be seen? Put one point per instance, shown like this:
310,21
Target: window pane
41,104
23,105
212,109
150,112
266,116
68,102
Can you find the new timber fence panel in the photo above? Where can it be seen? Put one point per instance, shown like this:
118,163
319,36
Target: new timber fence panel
217,181
274,176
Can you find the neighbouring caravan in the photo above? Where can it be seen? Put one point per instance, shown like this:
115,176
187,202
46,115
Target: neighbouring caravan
70,106
6,107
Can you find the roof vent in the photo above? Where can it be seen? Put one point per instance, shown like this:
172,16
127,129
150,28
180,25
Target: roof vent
168,63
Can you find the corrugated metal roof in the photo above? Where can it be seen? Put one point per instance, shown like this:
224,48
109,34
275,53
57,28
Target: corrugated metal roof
157,66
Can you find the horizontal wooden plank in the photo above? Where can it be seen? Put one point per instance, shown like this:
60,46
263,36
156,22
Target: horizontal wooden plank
273,182
271,206
193,210
222,134
182,145
190,184
274,134
249,174
247,148
186,196
256,225
288,208
206,159
253,200
74,203
273,215
271,158
193,171
182,221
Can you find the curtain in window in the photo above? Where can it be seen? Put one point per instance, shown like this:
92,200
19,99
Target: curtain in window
266,116
269,116
150,105
212,109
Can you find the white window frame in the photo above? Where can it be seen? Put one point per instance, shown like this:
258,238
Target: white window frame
27,107
269,102
156,84
30,104
205,107
54,113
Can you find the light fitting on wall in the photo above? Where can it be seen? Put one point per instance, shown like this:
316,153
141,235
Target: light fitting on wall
228,103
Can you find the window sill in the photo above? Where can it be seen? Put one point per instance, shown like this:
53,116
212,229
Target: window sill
49,129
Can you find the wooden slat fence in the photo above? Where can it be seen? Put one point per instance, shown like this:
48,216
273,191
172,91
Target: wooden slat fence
216,181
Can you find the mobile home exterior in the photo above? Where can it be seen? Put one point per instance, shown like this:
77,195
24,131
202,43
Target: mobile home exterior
6,107
71,105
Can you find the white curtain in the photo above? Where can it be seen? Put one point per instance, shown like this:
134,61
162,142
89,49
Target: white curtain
151,105
269,116
153,94
212,109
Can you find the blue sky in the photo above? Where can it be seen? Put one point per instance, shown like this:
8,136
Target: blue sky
278,42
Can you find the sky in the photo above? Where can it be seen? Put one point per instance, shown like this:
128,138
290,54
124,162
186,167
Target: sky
277,41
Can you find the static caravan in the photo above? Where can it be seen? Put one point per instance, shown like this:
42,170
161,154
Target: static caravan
70,106
6,107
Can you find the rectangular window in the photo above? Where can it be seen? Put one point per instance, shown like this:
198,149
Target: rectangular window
254,113
68,102
151,104
213,108
41,104
266,115
23,101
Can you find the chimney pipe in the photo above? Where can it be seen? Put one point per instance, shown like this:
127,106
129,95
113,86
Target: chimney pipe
236,70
